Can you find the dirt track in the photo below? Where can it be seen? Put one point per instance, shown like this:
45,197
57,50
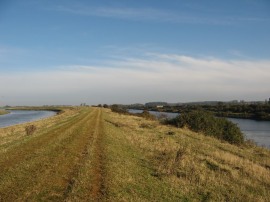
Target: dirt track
52,166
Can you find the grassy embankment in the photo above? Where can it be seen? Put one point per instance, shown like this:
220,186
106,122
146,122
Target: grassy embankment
92,154
2,112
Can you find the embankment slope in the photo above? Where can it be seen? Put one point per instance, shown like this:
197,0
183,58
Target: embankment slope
93,154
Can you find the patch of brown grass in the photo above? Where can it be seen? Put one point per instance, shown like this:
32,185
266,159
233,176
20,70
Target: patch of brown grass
2,112
203,168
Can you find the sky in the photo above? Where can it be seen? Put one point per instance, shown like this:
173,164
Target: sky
126,51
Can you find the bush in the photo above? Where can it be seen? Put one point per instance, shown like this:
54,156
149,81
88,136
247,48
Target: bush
146,114
207,123
117,109
231,132
30,129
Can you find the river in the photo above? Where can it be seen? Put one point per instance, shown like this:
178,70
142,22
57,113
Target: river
259,131
23,116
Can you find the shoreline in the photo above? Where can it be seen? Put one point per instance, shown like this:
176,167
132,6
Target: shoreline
218,114
3,112
30,121
57,110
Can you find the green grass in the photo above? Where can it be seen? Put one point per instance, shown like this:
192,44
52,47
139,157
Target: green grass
93,154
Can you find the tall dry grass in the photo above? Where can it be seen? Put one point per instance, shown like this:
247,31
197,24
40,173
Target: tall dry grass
200,167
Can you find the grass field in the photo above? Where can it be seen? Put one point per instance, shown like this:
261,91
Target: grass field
93,154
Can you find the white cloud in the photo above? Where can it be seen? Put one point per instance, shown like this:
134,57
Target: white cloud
167,77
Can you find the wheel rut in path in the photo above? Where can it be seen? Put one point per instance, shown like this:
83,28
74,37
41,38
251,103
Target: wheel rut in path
98,191
42,176
88,182
25,150
59,164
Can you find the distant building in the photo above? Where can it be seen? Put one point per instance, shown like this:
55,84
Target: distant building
159,106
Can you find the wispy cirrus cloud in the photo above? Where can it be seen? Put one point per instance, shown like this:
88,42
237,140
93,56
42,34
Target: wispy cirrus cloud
156,15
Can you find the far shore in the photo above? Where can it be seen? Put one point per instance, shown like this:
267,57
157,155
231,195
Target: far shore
3,112
55,109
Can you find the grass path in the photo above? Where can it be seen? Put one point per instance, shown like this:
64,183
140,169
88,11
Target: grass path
46,167
89,184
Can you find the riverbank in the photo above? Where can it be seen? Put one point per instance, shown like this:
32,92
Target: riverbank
55,109
259,112
3,112
250,116
94,154
256,117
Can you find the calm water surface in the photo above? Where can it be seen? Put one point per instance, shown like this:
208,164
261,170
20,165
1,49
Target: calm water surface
23,116
259,131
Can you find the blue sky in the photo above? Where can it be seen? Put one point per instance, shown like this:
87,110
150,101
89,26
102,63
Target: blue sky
123,51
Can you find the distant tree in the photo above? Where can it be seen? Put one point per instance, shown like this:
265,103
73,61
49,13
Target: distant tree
105,106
